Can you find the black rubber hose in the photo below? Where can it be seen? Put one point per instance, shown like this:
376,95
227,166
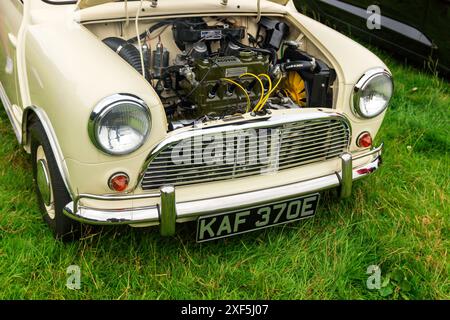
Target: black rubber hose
297,66
126,51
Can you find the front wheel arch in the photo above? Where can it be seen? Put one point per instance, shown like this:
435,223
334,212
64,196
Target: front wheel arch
51,207
34,114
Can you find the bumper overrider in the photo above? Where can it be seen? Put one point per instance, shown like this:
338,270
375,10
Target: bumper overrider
169,212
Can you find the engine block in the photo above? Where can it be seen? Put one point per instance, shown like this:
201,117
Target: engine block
212,94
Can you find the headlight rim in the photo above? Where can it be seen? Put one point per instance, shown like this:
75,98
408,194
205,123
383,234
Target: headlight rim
363,81
103,107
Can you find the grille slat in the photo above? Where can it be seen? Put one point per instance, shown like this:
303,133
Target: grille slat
336,137
168,177
290,131
219,176
295,144
297,154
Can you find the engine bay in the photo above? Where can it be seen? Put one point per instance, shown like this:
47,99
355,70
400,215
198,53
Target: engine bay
220,67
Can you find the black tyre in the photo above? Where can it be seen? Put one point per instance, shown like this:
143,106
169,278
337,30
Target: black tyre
51,191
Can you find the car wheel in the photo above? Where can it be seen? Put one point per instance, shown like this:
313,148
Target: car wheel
51,191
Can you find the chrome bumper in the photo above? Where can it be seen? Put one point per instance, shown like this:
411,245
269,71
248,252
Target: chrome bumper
169,211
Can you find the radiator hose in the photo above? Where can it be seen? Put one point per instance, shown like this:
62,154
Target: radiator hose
128,52
298,65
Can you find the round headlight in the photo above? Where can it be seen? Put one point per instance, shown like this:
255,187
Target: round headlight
372,93
119,124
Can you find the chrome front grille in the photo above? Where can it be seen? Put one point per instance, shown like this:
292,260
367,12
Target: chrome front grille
238,151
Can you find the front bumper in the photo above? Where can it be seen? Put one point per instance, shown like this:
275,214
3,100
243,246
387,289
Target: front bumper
169,212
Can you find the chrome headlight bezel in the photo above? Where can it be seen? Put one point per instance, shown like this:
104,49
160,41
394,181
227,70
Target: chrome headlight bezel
359,87
107,105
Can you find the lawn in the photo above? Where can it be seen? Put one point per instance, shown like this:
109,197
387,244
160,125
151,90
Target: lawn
397,219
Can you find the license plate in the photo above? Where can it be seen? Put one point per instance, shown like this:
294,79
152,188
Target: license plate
228,224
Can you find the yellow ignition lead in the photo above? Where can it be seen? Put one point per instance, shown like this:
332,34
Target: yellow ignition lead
260,83
243,90
268,79
268,95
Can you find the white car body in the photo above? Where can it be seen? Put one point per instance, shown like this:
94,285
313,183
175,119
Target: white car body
53,66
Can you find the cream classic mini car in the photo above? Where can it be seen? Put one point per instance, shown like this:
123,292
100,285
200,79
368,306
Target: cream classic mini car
232,113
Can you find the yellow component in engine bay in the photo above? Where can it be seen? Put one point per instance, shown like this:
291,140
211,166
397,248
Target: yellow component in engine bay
294,87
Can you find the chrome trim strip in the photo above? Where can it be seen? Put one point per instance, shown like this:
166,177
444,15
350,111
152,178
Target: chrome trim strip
21,135
186,211
112,197
194,209
12,40
46,124
7,105
109,217
376,150
272,121
386,22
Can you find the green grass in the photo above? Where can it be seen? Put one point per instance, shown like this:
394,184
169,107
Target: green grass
397,219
